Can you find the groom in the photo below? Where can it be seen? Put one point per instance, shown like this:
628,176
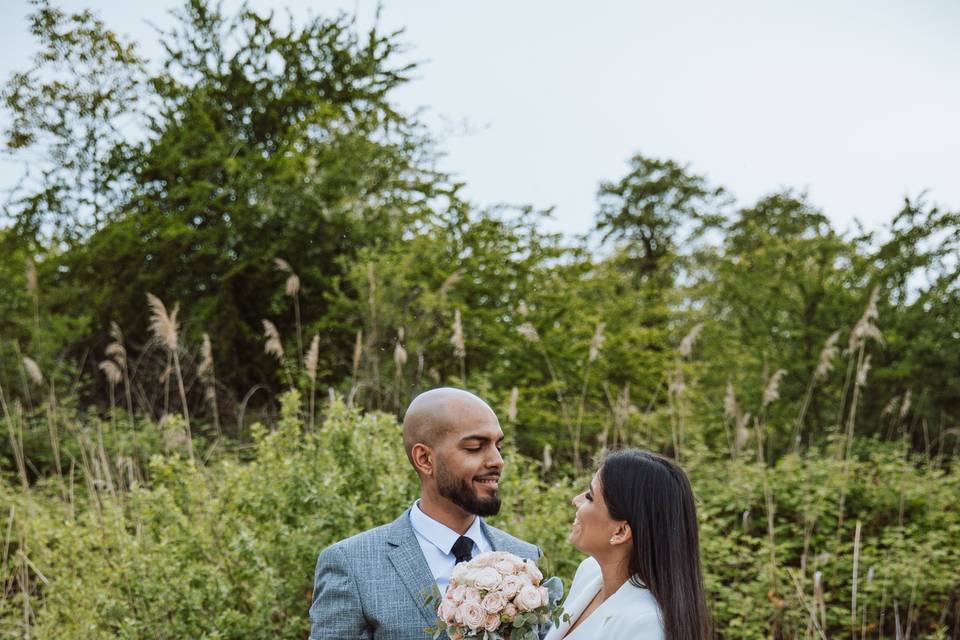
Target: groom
375,584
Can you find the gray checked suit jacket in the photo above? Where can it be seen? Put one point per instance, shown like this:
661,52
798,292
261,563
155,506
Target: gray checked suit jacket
375,584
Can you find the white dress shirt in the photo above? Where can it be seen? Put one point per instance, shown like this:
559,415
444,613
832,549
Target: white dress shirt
631,613
436,541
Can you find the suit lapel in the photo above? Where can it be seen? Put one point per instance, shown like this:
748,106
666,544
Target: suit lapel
408,560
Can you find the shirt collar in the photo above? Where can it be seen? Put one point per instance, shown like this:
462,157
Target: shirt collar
440,535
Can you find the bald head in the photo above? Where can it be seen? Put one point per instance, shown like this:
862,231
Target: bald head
439,412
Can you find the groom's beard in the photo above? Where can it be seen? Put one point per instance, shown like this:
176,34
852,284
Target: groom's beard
459,492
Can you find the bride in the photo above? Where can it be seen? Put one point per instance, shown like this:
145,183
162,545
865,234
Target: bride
642,580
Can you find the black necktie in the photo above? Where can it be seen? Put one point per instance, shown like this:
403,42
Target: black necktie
462,549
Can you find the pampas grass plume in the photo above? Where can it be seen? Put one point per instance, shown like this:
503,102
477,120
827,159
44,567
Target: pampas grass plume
163,325
512,405
686,345
772,390
827,354
313,358
457,339
112,372
596,342
33,370
206,357
274,346
529,332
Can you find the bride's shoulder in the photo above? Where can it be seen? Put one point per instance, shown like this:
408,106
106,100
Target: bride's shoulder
587,570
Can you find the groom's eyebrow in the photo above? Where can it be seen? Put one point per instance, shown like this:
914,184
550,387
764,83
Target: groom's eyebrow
480,438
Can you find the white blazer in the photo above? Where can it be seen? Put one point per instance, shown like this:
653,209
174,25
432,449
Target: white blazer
629,614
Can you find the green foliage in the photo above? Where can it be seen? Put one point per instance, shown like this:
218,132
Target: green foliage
227,550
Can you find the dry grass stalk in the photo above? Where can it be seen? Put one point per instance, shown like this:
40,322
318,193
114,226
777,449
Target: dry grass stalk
450,282
596,342
118,352
30,272
863,371
357,352
811,607
742,433
547,457
459,344
866,328
827,354
686,345
905,407
292,286
771,390
730,407
165,329
163,325
33,370
208,375
512,405
399,353
457,338
310,363
529,332
854,582
292,289
273,346
111,370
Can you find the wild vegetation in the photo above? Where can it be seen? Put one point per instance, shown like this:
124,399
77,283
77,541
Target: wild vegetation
227,271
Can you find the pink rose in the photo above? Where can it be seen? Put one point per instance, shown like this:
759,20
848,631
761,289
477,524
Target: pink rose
471,594
455,634
488,579
533,572
511,586
528,599
494,602
505,566
446,611
510,611
459,573
458,594
491,622
472,614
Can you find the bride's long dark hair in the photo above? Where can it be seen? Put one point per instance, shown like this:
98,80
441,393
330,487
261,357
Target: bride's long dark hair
654,496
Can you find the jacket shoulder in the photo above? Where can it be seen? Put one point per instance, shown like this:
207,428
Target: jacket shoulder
361,545
503,541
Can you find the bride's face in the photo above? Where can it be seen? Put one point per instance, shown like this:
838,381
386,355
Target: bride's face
592,525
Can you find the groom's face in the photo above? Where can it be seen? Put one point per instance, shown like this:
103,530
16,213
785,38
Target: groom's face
468,464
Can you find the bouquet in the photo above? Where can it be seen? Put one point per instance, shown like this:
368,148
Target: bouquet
497,596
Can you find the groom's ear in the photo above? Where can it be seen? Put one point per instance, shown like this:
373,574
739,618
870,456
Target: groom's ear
422,457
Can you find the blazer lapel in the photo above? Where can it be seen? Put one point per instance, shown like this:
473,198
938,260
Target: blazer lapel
574,605
408,560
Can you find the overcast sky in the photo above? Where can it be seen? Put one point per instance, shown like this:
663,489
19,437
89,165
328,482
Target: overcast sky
536,102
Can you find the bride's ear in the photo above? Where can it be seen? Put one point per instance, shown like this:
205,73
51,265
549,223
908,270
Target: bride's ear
622,534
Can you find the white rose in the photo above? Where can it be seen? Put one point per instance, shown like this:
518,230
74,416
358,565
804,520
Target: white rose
494,602
472,614
511,586
487,579
533,572
471,594
528,599
457,593
491,622
544,596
